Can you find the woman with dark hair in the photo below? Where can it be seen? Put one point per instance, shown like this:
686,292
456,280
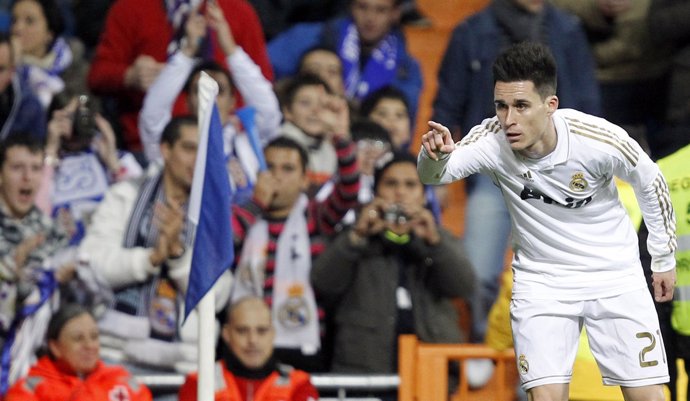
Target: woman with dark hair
46,59
72,370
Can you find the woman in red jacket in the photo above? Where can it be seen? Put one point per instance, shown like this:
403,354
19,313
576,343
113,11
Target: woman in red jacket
73,371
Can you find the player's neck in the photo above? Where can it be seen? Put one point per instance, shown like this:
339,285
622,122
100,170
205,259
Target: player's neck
544,145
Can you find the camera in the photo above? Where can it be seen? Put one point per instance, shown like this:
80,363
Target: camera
84,124
395,215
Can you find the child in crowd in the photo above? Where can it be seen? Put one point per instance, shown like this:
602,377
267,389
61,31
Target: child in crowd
388,107
308,123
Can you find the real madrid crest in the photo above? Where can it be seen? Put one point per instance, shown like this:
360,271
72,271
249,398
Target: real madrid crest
578,182
523,365
294,312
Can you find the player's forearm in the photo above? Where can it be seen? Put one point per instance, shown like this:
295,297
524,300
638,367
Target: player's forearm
431,171
660,220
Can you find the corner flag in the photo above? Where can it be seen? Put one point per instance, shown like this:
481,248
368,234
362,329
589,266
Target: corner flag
209,205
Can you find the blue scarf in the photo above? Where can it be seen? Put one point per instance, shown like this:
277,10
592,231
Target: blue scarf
46,284
143,299
379,70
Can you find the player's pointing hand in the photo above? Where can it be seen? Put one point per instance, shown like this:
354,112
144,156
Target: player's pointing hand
437,141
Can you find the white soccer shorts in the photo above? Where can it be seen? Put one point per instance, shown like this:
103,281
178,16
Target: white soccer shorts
623,333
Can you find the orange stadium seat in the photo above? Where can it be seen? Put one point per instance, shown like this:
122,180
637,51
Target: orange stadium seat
423,371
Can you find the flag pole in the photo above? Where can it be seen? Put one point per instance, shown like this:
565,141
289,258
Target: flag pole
208,90
207,346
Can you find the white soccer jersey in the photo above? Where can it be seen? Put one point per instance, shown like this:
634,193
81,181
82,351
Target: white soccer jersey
572,239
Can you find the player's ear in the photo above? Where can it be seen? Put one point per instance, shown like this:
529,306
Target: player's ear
552,103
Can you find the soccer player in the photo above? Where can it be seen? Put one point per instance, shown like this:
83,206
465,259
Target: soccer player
576,256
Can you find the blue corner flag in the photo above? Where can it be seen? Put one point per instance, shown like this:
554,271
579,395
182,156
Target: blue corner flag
209,205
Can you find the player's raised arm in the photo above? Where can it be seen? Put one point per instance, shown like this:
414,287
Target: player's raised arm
437,144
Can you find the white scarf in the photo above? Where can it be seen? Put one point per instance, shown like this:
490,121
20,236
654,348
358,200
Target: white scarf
44,75
294,310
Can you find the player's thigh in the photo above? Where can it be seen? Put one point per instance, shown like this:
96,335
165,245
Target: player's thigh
654,392
545,333
624,336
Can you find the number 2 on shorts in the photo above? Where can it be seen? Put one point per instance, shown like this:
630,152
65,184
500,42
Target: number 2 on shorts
650,347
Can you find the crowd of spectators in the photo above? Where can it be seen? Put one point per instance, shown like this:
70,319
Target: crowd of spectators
339,248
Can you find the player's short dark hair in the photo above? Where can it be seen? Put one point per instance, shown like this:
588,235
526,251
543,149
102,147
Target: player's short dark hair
172,131
527,61
282,142
20,139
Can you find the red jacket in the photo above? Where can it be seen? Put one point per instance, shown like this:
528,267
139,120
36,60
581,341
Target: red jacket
136,27
293,385
47,382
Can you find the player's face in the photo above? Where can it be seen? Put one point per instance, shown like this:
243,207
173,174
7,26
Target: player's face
249,333
526,117
78,344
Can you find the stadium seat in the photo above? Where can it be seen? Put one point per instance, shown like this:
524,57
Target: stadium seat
423,371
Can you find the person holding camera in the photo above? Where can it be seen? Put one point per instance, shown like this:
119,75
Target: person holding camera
81,162
394,272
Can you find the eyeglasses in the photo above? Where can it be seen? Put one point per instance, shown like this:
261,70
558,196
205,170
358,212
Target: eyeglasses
373,144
